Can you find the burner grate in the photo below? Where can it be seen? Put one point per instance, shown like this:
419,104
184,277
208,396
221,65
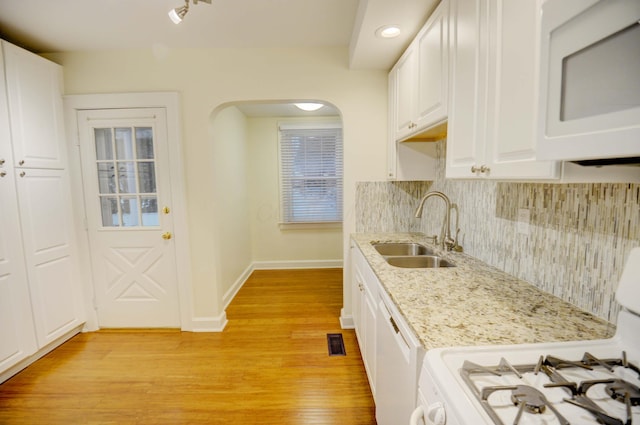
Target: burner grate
533,400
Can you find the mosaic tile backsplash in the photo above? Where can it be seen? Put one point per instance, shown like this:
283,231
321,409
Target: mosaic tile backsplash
578,238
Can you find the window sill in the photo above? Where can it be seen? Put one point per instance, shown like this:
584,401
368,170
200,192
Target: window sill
306,226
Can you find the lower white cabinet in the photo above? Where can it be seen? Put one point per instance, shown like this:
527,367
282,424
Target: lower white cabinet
364,296
40,294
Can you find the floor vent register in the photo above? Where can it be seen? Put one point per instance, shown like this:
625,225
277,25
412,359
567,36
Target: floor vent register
336,345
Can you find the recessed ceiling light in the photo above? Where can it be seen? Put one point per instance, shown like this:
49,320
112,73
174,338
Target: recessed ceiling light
388,31
309,107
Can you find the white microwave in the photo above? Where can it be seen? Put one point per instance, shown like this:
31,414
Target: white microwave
589,92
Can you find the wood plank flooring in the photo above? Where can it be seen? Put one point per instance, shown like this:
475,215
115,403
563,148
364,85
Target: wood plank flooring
269,366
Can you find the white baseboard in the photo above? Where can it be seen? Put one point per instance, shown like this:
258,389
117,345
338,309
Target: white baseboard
297,264
346,320
208,324
6,374
231,293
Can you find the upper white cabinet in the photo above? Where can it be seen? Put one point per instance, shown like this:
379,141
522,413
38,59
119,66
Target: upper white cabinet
492,116
419,79
34,95
40,297
418,101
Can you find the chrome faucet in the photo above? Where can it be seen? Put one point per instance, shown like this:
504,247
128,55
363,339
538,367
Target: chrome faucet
448,242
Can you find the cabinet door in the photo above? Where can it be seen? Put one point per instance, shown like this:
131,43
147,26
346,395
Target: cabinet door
511,141
368,315
405,82
356,300
17,337
34,87
468,62
391,128
433,68
49,247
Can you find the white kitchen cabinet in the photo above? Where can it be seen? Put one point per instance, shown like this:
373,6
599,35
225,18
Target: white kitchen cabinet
45,211
17,331
364,295
40,297
492,117
35,102
419,79
418,93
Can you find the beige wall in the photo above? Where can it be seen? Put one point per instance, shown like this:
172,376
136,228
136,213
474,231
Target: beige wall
230,215
210,78
269,242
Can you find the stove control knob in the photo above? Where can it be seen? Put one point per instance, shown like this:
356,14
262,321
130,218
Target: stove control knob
436,414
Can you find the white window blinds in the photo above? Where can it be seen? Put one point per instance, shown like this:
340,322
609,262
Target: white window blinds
311,172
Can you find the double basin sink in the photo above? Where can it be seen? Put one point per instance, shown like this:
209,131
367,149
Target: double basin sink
410,255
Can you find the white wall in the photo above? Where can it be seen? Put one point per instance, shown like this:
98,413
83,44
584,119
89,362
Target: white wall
229,190
270,243
209,78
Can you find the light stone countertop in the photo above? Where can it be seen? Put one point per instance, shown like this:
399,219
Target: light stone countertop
475,304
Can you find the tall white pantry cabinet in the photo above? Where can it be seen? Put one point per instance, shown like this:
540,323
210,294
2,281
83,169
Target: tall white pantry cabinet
40,294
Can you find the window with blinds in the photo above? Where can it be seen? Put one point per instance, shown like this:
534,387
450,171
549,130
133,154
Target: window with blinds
311,172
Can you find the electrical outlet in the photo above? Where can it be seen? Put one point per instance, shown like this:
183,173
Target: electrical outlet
524,215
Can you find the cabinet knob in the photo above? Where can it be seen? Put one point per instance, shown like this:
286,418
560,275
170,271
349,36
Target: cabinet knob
21,162
484,169
22,174
166,236
3,173
2,161
474,169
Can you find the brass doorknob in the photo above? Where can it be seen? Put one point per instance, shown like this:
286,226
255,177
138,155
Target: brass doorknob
166,236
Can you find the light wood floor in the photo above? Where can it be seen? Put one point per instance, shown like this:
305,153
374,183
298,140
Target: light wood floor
269,366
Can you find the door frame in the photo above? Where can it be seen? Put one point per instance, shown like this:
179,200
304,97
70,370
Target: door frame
170,101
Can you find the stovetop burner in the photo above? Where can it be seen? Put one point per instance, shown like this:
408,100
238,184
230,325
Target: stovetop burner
623,391
586,384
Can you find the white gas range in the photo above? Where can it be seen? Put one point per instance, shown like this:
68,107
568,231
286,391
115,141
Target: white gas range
581,382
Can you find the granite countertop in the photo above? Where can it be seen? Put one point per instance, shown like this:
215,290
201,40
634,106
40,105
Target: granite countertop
474,303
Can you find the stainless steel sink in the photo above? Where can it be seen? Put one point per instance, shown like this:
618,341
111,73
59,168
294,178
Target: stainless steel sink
402,249
419,262
410,255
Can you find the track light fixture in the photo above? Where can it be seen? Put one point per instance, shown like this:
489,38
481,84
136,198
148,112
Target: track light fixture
177,15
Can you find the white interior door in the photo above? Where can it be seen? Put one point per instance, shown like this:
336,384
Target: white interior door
128,205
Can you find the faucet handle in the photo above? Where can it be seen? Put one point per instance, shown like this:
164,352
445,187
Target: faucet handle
433,239
456,247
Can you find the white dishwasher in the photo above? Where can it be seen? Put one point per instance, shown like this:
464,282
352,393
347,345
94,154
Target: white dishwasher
397,361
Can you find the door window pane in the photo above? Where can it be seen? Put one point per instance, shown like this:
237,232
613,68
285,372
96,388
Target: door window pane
129,210
124,144
149,206
104,147
106,177
126,177
144,142
109,210
146,177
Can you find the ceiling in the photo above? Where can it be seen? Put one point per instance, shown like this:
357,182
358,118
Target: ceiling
76,25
